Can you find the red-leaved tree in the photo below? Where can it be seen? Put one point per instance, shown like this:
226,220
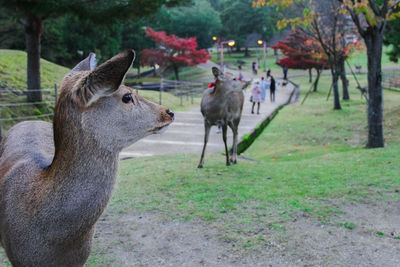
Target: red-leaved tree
172,51
303,53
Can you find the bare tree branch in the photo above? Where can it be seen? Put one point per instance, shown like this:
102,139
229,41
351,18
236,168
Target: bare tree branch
387,14
375,8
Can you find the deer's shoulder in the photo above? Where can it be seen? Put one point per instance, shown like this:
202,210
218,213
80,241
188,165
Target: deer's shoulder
28,141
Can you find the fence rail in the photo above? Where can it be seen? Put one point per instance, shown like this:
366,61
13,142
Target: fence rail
391,79
181,89
15,107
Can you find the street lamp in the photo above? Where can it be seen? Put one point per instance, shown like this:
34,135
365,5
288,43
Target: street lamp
214,38
230,43
261,42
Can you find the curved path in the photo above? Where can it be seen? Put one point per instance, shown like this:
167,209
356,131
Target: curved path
186,133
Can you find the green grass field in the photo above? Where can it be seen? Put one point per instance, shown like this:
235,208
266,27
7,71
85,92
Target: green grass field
309,159
358,58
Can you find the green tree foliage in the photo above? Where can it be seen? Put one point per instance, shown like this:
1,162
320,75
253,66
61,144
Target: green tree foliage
240,19
82,37
392,38
199,20
11,33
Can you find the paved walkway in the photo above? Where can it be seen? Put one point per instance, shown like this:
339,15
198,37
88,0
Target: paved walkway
186,133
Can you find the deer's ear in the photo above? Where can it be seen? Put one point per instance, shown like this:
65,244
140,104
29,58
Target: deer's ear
217,73
88,63
106,78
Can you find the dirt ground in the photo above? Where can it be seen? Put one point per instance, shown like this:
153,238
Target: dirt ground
371,237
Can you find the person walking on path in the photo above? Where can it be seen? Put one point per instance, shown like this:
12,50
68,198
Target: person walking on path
263,87
256,97
285,71
272,89
240,78
255,67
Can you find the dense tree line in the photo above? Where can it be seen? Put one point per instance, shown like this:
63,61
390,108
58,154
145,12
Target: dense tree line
33,15
67,39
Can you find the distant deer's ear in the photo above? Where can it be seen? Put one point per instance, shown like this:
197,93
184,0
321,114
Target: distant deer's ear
217,73
106,78
88,63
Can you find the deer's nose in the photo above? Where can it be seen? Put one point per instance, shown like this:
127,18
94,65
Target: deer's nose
170,113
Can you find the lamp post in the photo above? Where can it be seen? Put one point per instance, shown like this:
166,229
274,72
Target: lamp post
215,38
261,42
230,43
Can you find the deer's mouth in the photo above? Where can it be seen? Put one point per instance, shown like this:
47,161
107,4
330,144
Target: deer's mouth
160,129
166,118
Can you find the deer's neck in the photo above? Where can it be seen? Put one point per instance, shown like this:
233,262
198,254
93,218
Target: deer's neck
83,176
219,94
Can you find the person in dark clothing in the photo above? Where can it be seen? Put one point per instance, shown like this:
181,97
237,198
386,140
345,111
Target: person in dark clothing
272,89
285,71
254,66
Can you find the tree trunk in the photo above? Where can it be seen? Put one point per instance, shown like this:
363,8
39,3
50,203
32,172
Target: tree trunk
276,55
373,41
33,30
317,80
335,80
176,70
246,52
345,82
310,75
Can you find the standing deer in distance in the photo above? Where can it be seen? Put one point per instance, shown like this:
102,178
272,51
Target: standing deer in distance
56,180
223,105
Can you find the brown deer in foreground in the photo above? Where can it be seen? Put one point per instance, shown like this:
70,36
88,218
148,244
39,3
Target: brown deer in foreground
53,192
223,106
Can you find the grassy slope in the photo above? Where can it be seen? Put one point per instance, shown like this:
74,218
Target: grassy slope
13,70
13,75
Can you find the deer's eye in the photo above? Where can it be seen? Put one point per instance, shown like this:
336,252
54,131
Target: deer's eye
127,98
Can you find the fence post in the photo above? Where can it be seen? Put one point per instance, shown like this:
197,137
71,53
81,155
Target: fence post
188,85
55,93
192,90
180,93
161,88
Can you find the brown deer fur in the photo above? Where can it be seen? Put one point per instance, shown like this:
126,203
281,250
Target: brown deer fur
223,106
56,180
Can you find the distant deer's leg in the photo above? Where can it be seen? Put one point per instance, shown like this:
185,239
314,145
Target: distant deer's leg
207,128
224,132
234,128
